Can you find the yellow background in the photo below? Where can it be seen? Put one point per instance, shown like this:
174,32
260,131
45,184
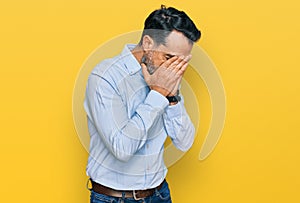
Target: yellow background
255,45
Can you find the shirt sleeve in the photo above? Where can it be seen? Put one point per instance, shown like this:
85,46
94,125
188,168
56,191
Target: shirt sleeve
123,135
179,126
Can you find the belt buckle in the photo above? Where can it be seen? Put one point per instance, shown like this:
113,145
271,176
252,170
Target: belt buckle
134,196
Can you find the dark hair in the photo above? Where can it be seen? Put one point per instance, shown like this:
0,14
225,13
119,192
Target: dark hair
160,23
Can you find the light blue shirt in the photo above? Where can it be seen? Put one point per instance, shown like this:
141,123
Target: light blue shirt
128,124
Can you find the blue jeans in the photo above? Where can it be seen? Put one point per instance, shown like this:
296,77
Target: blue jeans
159,196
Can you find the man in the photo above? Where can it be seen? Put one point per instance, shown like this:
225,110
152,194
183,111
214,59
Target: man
133,103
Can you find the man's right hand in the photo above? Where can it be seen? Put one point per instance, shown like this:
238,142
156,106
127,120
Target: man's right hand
167,77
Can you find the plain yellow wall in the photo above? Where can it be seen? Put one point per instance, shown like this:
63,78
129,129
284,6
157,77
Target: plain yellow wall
255,46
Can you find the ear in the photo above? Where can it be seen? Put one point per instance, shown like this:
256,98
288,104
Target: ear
147,43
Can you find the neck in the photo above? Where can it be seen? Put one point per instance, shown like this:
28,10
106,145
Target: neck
138,53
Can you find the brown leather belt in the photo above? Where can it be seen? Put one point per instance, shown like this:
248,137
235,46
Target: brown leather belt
136,194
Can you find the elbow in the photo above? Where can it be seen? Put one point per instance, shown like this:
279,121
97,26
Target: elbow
185,147
124,149
123,158
122,155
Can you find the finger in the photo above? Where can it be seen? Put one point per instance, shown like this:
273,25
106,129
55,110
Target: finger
168,62
176,87
182,62
182,69
145,72
176,64
188,58
185,59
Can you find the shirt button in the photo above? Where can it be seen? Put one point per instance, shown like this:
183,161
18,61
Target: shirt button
147,146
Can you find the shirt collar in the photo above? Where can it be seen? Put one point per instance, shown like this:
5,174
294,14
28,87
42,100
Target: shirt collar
129,60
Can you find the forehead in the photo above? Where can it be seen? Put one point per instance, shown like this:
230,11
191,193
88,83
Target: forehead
177,44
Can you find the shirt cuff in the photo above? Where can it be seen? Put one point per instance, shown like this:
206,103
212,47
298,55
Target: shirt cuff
174,110
156,99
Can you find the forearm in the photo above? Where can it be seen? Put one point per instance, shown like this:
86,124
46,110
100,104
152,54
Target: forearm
123,135
179,126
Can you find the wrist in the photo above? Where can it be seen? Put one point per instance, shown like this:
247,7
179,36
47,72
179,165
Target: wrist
171,94
173,103
173,99
160,90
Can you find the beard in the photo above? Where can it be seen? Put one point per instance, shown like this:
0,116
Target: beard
149,64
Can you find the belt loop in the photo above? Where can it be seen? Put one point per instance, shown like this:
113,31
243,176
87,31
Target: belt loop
87,184
135,197
123,197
